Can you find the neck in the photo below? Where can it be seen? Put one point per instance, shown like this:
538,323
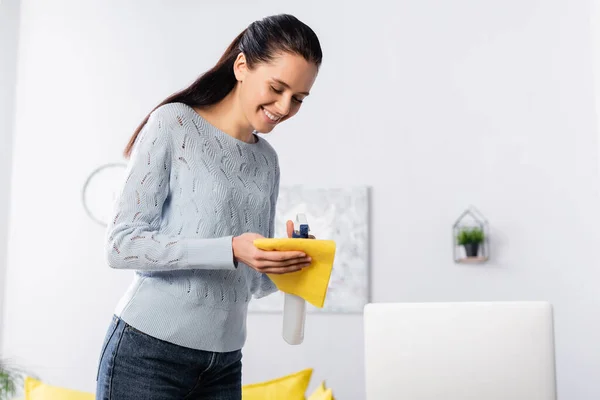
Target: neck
228,117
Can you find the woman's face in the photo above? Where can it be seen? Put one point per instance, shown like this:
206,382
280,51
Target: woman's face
271,93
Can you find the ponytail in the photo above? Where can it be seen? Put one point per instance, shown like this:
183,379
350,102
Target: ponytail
208,89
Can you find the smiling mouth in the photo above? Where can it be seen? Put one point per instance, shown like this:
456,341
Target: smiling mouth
274,118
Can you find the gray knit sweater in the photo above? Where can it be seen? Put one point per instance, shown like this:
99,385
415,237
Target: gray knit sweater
189,189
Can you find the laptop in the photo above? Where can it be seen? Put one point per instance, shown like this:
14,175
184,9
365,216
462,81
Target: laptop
459,351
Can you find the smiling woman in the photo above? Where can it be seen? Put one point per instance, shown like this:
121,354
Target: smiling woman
269,67
201,187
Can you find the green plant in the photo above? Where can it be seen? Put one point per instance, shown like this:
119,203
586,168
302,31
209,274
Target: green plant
470,236
11,381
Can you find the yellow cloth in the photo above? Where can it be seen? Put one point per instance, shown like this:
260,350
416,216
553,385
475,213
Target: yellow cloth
289,387
36,390
311,282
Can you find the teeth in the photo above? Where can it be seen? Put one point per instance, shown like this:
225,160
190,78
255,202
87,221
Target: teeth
271,116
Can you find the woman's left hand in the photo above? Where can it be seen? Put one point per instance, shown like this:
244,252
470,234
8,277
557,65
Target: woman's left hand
290,229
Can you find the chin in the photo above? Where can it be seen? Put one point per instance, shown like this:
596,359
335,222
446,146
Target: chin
261,128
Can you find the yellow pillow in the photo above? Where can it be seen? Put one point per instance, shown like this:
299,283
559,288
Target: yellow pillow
289,387
310,283
321,393
327,394
320,389
36,390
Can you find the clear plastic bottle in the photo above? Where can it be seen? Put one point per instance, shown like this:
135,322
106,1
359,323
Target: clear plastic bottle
294,316
294,307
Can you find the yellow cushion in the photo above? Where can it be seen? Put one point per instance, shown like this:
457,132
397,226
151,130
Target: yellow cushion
311,282
321,393
36,390
320,389
327,394
289,387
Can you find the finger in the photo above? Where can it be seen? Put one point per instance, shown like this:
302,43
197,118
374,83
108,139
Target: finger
303,262
290,228
279,255
311,236
281,270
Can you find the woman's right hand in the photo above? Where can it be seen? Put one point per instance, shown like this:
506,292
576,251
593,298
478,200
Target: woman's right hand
267,262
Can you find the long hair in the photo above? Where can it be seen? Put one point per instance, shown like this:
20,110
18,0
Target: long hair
260,42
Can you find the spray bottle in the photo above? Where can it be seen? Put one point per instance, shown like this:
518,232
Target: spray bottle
294,307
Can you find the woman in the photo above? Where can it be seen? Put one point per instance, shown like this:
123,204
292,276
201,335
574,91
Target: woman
201,187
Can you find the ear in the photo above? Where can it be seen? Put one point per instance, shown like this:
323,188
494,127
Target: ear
240,67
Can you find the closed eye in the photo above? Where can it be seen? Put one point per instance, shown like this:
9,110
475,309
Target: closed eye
278,91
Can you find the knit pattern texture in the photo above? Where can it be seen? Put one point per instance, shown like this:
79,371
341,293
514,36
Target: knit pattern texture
189,188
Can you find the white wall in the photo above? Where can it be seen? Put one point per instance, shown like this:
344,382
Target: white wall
436,105
9,27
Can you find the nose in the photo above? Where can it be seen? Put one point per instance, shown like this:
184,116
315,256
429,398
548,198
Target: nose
283,106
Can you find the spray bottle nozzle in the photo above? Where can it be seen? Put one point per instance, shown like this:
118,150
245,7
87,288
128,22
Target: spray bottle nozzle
301,230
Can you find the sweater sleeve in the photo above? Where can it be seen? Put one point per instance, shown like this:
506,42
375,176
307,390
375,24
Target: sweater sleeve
134,240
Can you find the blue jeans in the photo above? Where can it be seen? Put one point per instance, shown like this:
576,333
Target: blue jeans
136,366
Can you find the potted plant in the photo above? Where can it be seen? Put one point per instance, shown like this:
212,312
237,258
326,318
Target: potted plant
471,239
11,381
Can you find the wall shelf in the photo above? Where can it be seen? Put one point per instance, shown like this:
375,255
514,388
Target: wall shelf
470,235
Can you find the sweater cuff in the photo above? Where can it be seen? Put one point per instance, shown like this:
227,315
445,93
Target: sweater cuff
214,253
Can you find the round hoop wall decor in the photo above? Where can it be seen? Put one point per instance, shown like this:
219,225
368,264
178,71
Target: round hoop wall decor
100,191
